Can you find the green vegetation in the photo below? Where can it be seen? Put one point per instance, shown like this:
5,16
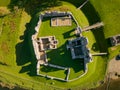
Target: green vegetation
4,11
17,63
54,72
4,2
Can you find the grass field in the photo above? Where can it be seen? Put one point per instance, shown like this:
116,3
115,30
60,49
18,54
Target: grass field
4,2
109,14
16,61
55,72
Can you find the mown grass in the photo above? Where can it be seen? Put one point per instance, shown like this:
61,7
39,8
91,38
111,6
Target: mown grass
19,59
50,71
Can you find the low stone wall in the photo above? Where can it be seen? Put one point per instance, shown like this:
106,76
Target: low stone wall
68,74
38,24
35,46
51,77
74,19
56,66
55,13
58,13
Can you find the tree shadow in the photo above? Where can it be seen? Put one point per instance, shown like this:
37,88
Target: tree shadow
77,3
33,6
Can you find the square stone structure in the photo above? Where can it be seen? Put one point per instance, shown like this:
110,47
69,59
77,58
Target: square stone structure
61,21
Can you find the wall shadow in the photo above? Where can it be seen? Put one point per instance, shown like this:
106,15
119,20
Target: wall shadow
108,42
24,50
95,47
50,69
61,56
25,69
68,34
91,14
33,6
77,3
22,57
101,43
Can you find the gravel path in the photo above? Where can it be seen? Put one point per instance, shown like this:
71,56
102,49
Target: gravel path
114,68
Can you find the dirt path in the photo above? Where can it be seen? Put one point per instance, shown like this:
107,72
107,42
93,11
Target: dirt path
114,68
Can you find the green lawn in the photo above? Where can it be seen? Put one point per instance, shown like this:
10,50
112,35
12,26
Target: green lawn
54,72
17,62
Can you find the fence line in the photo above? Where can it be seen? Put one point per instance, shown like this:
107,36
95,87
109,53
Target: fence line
82,4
